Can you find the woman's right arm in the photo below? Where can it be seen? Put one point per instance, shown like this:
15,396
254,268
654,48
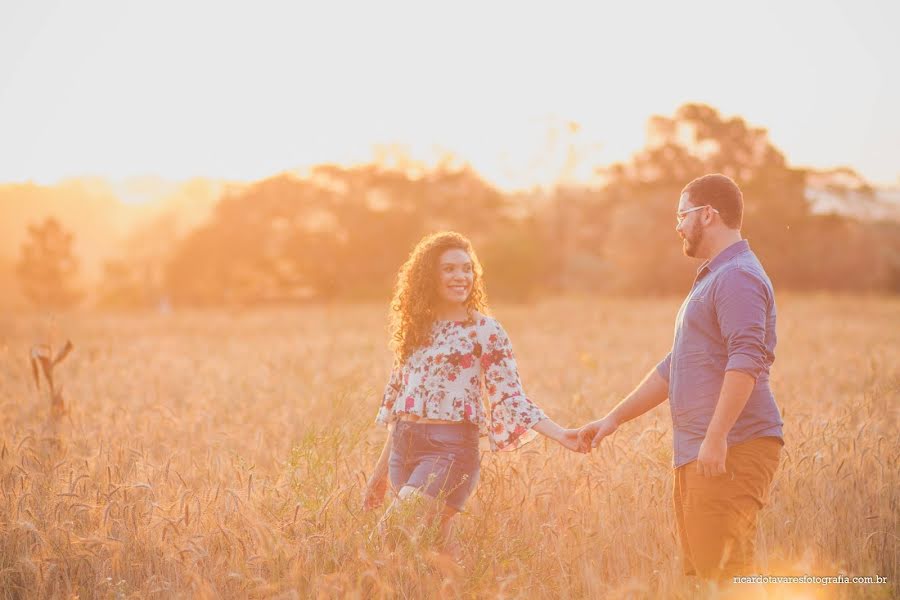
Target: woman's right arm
377,485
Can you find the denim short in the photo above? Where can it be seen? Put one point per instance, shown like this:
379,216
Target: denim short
440,459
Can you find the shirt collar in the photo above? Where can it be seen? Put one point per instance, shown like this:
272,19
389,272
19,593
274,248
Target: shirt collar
724,256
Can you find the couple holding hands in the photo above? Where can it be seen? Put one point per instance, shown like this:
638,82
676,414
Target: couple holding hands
727,430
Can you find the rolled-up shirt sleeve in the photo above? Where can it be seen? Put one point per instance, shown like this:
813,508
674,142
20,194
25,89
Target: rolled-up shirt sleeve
742,305
664,367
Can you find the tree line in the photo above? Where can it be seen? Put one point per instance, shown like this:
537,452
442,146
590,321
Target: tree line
340,233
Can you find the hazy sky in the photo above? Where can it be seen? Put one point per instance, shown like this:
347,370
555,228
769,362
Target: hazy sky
244,90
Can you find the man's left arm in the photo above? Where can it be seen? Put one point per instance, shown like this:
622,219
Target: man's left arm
742,302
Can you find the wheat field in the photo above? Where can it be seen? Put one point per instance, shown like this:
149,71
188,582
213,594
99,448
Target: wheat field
222,455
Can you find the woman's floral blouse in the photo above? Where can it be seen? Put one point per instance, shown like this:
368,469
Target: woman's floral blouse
446,380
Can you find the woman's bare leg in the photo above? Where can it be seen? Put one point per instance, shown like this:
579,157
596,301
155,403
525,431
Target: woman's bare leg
448,541
435,514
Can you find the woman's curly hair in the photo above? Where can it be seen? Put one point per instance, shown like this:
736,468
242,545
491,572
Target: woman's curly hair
415,293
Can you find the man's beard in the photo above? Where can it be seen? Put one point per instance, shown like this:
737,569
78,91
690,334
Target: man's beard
692,240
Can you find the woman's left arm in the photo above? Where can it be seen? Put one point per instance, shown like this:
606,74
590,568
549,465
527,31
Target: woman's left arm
513,415
568,438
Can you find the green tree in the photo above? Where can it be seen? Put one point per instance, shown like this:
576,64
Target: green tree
341,232
640,244
47,267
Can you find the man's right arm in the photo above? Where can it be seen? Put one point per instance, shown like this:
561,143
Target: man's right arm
650,393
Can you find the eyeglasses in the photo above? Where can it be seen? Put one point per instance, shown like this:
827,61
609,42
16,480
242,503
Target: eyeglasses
682,214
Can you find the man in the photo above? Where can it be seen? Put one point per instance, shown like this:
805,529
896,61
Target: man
726,427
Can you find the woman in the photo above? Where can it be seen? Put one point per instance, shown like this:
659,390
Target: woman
447,352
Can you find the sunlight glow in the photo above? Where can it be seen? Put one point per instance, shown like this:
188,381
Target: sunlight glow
242,91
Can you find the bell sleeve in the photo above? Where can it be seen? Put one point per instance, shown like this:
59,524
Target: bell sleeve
512,415
389,398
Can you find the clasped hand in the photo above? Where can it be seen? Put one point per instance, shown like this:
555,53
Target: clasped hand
590,435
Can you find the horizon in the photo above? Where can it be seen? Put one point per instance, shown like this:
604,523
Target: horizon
90,90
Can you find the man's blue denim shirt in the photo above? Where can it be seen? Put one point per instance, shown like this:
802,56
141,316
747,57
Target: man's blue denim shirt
726,323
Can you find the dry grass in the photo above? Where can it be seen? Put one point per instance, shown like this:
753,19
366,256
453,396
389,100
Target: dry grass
218,455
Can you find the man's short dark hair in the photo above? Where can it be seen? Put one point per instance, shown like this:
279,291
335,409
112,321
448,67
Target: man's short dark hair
720,192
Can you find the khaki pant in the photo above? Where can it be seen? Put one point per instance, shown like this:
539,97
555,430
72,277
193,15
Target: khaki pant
716,516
